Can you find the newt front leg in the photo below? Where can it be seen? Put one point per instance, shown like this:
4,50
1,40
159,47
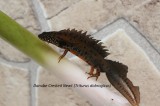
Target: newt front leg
64,53
91,71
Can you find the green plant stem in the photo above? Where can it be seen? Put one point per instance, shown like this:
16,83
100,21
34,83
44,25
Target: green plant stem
22,39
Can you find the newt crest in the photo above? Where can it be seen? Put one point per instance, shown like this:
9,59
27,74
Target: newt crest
91,51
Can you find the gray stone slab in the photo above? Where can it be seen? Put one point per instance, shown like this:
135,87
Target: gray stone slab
135,35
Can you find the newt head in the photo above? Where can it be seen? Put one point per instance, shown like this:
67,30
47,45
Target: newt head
46,36
51,37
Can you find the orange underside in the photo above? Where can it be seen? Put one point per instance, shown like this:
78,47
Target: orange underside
81,57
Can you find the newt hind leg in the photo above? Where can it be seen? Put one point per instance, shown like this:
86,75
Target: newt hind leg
61,57
97,74
91,71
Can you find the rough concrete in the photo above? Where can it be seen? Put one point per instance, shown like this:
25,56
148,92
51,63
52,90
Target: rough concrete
79,13
21,11
54,7
9,53
93,14
146,19
14,86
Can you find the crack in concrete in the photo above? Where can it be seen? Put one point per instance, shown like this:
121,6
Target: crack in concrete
14,61
48,18
18,18
34,28
23,65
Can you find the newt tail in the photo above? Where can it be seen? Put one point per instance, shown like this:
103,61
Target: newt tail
91,51
117,75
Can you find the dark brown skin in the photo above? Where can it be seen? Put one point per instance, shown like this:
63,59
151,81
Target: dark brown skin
92,52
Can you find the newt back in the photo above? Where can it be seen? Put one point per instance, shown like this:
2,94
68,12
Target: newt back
75,37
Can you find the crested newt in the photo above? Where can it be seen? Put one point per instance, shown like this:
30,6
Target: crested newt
91,51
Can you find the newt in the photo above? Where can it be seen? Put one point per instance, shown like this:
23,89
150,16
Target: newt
91,51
